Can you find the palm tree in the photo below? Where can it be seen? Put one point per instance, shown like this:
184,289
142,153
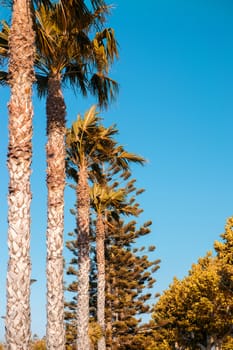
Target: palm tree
21,52
107,202
20,80
64,53
21,77
89,145
55,216
84,141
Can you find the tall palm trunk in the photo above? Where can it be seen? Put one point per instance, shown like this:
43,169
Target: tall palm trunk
100,238
109,316
56,112
83,226
21,44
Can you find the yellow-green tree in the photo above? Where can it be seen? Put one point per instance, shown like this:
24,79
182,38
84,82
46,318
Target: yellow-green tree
195,313
38,344
224,251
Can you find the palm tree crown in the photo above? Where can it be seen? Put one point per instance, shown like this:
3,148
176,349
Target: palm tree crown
64,48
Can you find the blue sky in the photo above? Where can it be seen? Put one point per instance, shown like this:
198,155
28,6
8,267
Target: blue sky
175,108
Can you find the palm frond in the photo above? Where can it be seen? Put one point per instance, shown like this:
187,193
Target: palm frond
74,14
71,172
104,50
131,157
4,38
64,47
79,46
114,200
97,3
6,3
105,42
3,78
75,76
104,88
46,3
46,34
96,173
103,197
41,85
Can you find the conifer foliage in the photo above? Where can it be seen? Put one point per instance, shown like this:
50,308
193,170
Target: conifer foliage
129,279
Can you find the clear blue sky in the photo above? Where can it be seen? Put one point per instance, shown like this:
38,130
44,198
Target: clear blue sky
175,108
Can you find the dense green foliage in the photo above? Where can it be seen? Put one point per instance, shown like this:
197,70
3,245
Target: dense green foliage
197,312
224,251
129,276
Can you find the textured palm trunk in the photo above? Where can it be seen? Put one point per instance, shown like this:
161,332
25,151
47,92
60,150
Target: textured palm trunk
109,335
109,318
83,227
100,255
21,44
109,277
115,292
56,111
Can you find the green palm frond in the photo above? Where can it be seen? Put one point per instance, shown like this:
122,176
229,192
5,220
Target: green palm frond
130,157
64,47
78,46
89,142
80,137
104,88
41,85
97,3
3,78
90,120
4,49
115,201
78,13
48,36
103,197
6,3
75,76
79,10
104,50
46,3
96,173
121,161
4,37
71,172
105,45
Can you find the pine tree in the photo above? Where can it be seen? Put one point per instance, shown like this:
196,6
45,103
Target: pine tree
128,279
